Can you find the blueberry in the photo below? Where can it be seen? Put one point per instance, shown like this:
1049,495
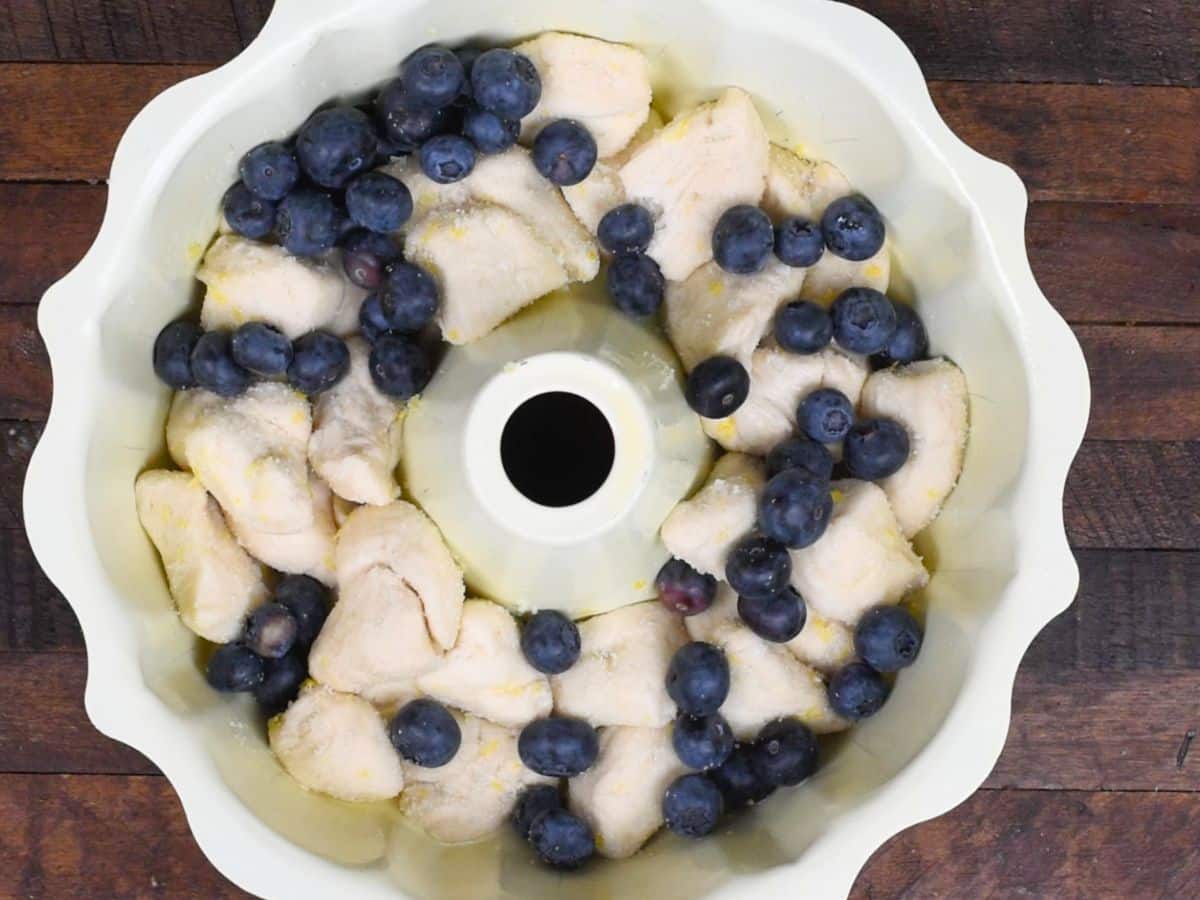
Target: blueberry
234,668
173,353
785,752
875,448
853,228
467,56
636,284
550,642
320,360
857,691
433,77
248,215
409,297
281,682
758,567
795,508
308,601
558,746
425,733
307,222
742,240
378,202
561,839
800,452
698,678
803,327
825,415
908,342
489,132
799,242
888,639
400,367
683,590
531,804
371,320
777,619
627,228
406,126
215,369
336,144
692,806
564,152
506,82
717,387
447,158
365,254
271,630
739,779
261,348
702,742
863,320
270,170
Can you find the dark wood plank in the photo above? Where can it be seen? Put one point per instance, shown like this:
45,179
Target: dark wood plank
33,614
24,368
49,228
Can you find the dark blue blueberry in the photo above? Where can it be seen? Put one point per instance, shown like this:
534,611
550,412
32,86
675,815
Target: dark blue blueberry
247,214
777,619
698,678
692,806
409,297
627,228
636,284
173,353
550,642
799,242
742,240
875,449
378,202
467,56
270,170
307,222
271,630
489,132
400,367
320,360
564,152
261,348
717,387
233,667
785,752
558,746
739,780
404,125
433,77
857,691
506,82
863,320
281,682
800,452
336,144
531,804
562,840
447,158
365,255
803,327
853,228
794,508
825,415
908,343
758,567
371,320
888,639
215,369
308,601
425,733
683,590
702,742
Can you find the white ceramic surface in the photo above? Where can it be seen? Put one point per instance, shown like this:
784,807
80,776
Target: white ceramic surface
845,86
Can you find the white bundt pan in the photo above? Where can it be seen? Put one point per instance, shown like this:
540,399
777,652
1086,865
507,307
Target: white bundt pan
845,85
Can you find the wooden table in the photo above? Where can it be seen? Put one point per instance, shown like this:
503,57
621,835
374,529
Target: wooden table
1095,102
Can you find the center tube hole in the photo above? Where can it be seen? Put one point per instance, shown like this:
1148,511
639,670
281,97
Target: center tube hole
557,449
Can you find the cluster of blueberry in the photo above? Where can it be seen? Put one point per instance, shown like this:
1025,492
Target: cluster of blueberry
634,280
270,659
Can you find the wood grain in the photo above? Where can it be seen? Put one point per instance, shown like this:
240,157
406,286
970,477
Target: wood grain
24,368
48,229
